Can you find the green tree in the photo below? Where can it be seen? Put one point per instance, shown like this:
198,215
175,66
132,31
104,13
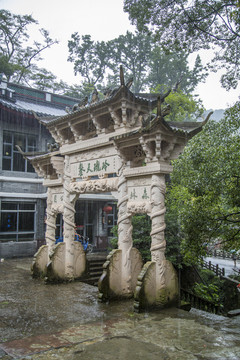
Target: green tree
88,57
140,235
205,187
192,26
133,52
18,58
145,62
168,67
183,107
79,91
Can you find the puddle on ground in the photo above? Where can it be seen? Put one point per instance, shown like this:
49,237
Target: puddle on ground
65,321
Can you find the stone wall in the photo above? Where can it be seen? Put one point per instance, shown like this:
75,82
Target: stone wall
14,249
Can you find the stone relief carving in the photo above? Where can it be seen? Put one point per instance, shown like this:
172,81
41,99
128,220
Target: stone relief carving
39,170
168,149
158,142
124,232
94,186
115,117
50,222
138,151
57,208
96,123
143,181
148,150
124,113
139,207
93,155
158,189
69,208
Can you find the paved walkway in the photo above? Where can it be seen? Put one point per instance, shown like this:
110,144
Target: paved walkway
227,264
65,321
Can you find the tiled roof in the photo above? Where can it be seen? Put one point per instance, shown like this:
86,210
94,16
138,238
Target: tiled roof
29,100
122,91
186,128
28,107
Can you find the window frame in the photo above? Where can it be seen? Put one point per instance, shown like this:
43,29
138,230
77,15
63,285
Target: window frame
27,138
17,233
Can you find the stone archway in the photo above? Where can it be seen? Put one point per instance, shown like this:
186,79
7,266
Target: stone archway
115,145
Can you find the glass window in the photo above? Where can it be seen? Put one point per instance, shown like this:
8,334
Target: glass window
12,159
7,150
20,140
9,206
6,164
32,143
18,162
7,237
8,222
26,221
25,237
30,168
26,206
7,137
17,221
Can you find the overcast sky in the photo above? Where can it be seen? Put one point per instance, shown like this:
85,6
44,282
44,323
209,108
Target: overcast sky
103,20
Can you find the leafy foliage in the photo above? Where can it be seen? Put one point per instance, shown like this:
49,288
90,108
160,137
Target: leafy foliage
194,25
133,52
205,187
142,239
18,58
143,60
208,292
140,235
168,67
184,107
89,57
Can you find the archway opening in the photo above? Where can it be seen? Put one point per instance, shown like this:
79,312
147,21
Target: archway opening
141,235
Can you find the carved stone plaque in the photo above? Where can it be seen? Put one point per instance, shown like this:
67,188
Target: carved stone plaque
139,189
97,167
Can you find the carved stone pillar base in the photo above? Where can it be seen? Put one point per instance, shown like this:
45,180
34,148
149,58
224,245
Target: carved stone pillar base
119,278
40,261
150,293
54,270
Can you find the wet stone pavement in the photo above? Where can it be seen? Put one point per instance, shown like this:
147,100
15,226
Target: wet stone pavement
65,321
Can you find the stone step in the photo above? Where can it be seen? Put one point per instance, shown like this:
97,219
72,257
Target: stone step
95,264
95,269
233,313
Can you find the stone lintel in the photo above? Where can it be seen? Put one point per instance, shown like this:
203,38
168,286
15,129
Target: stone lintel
54,182
148,170
99,141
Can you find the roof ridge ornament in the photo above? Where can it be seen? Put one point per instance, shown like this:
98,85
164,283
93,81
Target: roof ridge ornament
122,82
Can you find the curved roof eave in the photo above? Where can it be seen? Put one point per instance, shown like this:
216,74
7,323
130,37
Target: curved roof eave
122,91
186,128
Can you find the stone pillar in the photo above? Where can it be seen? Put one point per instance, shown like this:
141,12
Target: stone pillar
69,221
50,223
158,246
157,284
124,236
